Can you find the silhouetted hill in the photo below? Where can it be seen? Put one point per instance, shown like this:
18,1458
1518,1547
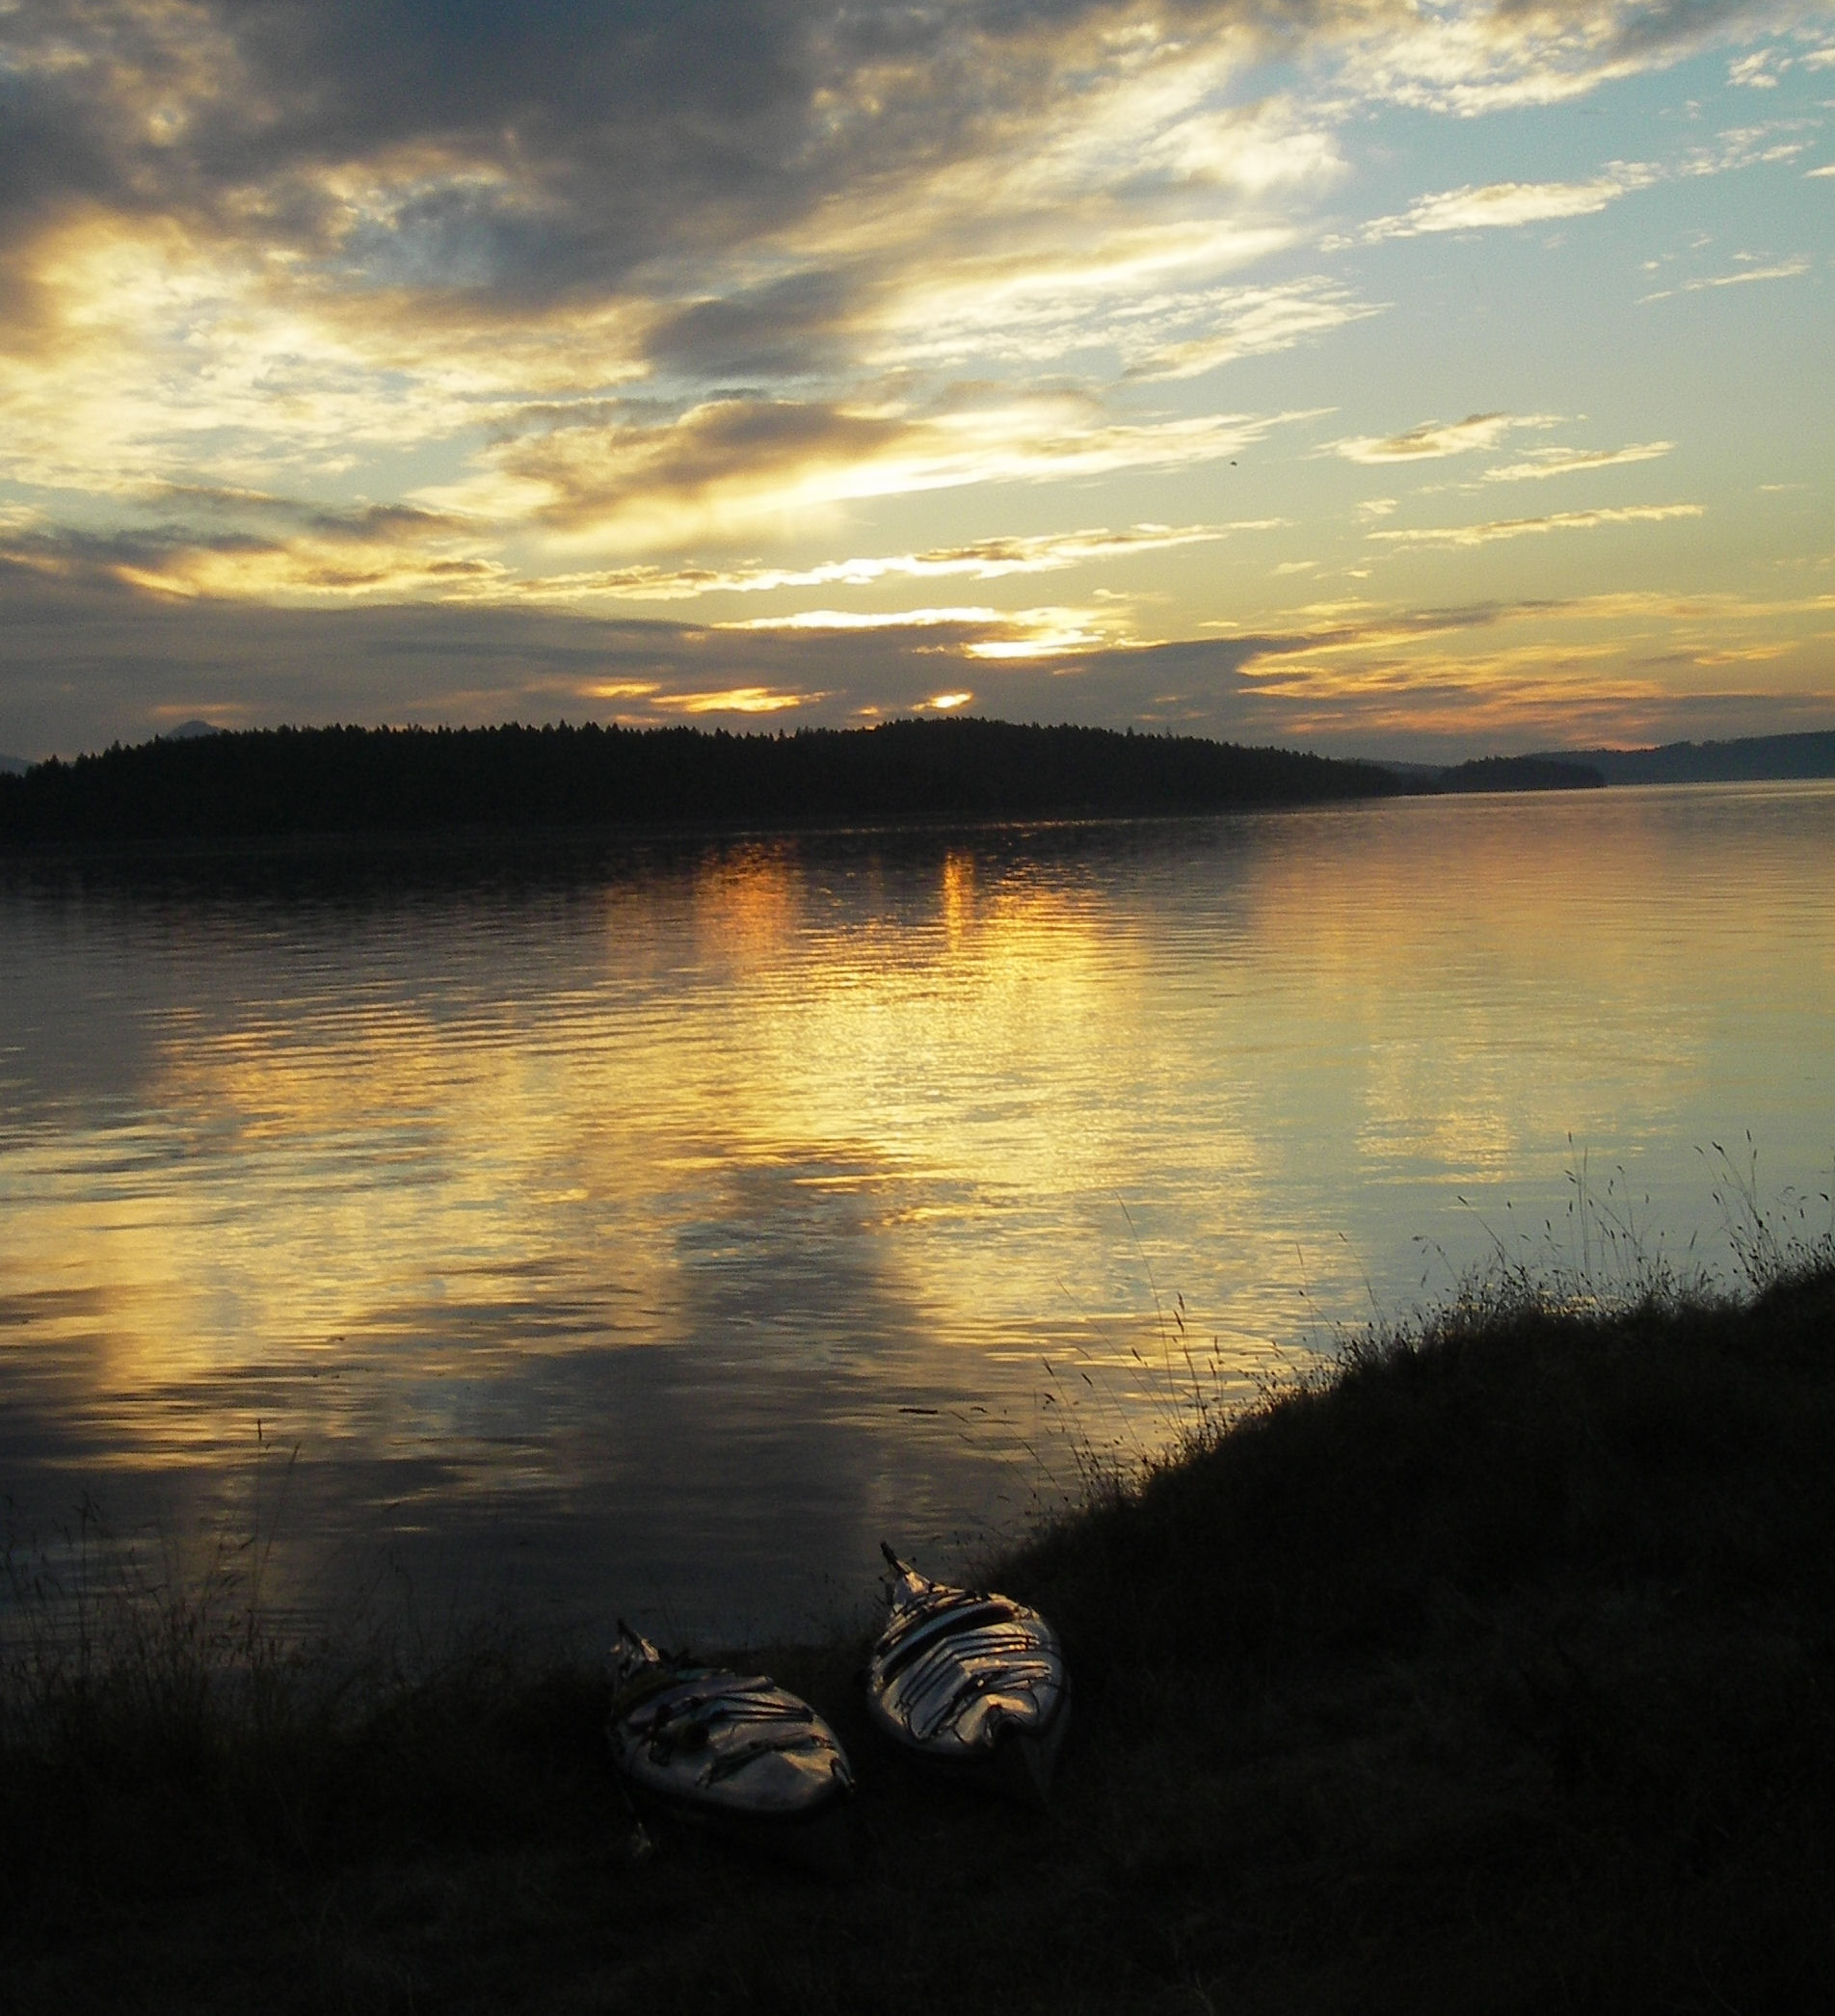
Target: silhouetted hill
275,783
1531,773
1749,760
14,766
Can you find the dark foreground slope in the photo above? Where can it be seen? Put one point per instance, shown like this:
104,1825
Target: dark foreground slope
1496,1672
279,783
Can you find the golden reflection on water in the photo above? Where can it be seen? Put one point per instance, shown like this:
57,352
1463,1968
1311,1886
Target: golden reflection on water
758,1191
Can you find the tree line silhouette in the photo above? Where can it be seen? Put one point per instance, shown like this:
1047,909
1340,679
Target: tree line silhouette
276,782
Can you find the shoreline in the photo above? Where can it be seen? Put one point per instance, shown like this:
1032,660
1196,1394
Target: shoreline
1487,1667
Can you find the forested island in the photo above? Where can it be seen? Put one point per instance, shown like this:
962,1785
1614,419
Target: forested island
272,783
284,781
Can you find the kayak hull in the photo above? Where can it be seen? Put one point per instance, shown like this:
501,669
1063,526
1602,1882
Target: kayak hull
732,1754
971,1684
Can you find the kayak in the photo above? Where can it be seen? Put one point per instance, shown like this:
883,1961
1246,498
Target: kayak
731,1752
970,1682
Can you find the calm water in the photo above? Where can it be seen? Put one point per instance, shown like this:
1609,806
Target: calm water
657,1233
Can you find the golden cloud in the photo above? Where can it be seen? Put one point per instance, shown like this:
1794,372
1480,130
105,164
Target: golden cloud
1489,533
1433,438
735,700
1566,461
986,633
726,465
981,560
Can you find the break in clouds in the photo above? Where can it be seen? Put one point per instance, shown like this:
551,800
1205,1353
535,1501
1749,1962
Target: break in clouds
484,325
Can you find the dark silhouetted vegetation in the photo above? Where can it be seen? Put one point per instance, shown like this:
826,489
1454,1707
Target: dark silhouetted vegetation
1490,1669
280,782
1519,774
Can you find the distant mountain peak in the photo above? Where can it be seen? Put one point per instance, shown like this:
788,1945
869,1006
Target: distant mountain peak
190,731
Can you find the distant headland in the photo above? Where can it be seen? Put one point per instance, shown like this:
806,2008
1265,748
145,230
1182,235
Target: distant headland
1747,759
271,784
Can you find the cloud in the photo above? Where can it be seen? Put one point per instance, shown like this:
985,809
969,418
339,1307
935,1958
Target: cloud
253,546
794,326
979,560
421,144
979,632
1566,462
1148,298
1760,70
1185,339
1787,269
1743,146
729,465
279,550
314,305
733,700
1504,206
850,620
140,661
1357,676
516,162
1468,60
1489,534
1433,439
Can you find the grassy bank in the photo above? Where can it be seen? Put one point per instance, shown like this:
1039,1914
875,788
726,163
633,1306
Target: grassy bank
1494,1670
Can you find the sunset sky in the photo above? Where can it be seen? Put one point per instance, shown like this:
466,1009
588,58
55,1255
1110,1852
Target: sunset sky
1405,378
